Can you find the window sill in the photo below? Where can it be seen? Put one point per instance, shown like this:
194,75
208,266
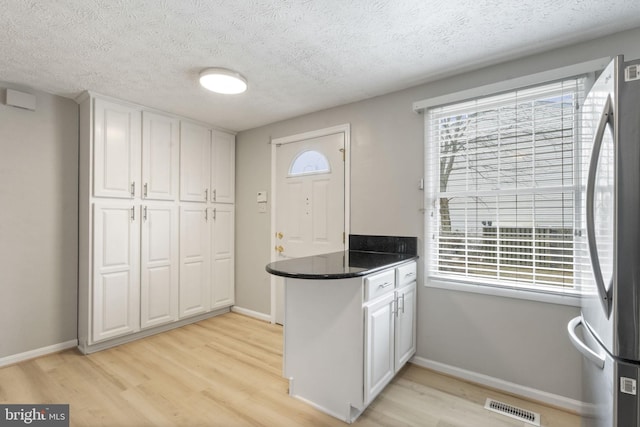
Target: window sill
523,294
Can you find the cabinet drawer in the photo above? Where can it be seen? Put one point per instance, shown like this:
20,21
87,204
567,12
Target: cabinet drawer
379,284
406,274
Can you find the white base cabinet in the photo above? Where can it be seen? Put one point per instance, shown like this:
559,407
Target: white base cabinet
345,339
222,255
159,264
156,221
195,276
116,284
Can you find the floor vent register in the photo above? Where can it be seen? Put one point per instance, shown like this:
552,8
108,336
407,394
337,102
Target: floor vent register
532,418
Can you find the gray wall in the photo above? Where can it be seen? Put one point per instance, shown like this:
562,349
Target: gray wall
519,341
38,223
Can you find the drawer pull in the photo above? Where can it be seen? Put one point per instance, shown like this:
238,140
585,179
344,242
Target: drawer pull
409,274
385,285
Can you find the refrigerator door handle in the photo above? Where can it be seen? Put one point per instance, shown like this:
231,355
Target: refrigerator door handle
603,293
594,357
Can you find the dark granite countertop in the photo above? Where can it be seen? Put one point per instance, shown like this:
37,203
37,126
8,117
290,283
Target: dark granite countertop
338,265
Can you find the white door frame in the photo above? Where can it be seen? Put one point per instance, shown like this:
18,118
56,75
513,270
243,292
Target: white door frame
344,128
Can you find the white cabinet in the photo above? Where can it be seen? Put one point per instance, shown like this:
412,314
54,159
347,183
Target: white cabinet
195,166
160,156
159,264
405,327
379,345
222,256
223,158
135,153
155,249
207,165
195,282
116,150
116,284
347,338
390,331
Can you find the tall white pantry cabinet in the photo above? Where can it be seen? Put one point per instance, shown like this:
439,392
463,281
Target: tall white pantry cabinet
156,222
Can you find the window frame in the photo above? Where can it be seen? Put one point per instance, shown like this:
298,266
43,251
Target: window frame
571,298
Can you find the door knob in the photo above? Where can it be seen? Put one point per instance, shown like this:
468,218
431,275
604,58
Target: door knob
279,248
279,235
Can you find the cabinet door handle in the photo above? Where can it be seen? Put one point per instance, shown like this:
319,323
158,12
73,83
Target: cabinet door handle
206,214
385,285
214,194
133,189
402,303
144,213
146,185
214,214
206,195
394,312
133,213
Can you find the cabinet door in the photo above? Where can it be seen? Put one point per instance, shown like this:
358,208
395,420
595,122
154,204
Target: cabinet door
116,150
195,280
116,286
159,264
379,345
160,157
405,342
195,157
223,161
222,256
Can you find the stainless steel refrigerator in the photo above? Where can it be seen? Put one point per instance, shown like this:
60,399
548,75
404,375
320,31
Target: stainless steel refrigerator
608,331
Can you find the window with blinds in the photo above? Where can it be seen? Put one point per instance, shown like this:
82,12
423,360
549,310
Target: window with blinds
503,189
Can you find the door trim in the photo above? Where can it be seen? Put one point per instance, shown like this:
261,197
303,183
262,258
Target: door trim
346,130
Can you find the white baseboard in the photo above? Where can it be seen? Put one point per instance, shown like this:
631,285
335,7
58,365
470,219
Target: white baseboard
15,358
251,313
502,385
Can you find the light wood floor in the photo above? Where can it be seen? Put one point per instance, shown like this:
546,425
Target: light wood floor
226,371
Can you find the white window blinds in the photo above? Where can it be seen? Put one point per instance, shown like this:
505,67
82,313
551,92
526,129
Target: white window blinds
502,188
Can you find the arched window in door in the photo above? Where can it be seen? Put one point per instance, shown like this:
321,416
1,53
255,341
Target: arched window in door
309,162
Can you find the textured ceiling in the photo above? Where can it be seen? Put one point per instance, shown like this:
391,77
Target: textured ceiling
299,56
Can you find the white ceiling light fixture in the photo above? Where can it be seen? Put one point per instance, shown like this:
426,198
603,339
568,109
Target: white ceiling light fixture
222,80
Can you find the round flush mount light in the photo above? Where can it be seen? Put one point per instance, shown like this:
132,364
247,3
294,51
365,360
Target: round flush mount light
222,80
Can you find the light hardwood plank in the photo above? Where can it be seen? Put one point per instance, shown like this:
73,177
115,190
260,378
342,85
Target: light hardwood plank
227,371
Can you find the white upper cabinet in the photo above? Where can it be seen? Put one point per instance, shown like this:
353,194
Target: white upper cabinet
159,264
160,156
222,256
223,158
195,146
116,150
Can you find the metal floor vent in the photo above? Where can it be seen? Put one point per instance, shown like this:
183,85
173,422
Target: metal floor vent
513,412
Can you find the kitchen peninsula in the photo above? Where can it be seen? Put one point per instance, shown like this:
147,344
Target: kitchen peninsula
349,321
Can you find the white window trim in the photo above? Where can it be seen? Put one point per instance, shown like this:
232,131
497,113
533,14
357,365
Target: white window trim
569,299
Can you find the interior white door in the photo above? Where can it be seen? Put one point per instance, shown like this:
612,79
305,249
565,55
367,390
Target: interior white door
310,201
